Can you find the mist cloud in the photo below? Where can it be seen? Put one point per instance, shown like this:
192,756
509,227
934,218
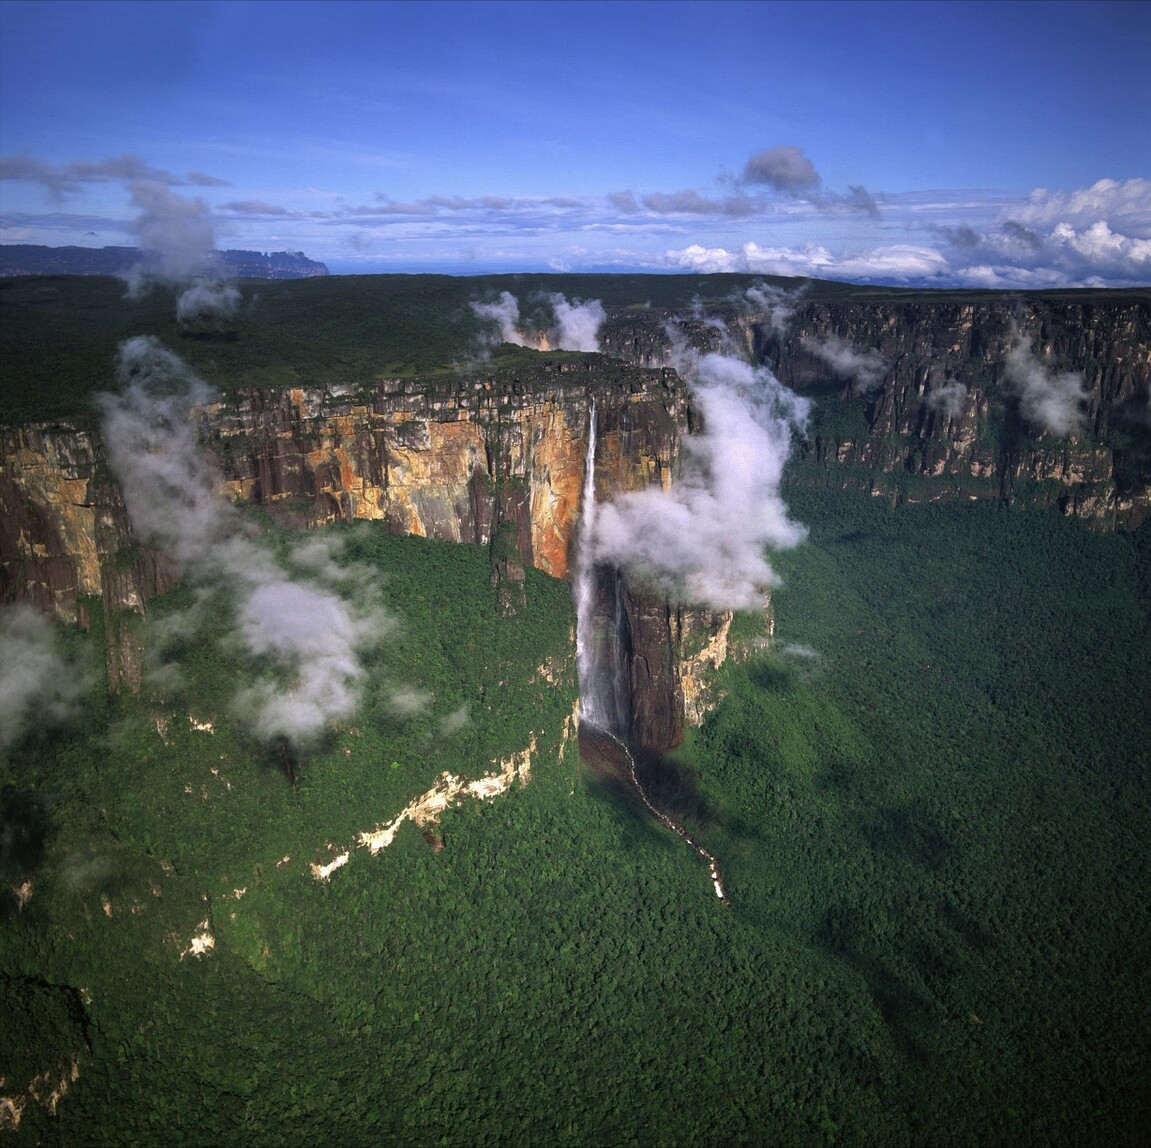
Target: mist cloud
577,323
575,326
1048,401
949,400
177,236
865,369
703,540
506,314
39,686
304,619
773,305
207,300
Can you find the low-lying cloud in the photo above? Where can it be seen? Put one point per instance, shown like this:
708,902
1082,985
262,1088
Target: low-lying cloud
864,368
176,234
1049,401
703,540
39,685
177,238
574,325
949,399
303,621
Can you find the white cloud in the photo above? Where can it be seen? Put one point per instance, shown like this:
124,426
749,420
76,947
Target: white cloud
904,262
38,684
575,325
950,399
704,539
305,618
1049,401
865,368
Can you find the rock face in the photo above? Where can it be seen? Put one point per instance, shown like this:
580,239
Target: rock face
935,411
66,542
494,460
498,457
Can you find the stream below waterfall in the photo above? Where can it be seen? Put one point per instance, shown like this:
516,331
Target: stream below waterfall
609,758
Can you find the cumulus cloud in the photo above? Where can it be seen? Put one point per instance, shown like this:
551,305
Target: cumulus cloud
865,368
39,686
1049,401
575,325
1125,203
1095,236
304,620
703,540
789,170
895,262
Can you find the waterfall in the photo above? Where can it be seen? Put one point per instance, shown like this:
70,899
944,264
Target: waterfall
586,658
604,702
601,625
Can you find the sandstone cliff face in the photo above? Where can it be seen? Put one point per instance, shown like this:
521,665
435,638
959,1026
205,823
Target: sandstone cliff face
452,461
941,417
498,458
66,540
474,459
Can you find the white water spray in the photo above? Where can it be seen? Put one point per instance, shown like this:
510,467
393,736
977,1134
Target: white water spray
585,587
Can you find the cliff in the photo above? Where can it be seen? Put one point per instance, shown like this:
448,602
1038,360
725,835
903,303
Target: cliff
916,396
914,399
486,458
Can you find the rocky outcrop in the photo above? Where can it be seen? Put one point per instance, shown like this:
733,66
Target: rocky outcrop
491,458
938,414
497,456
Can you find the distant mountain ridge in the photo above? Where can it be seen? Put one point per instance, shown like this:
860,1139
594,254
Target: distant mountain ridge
37,259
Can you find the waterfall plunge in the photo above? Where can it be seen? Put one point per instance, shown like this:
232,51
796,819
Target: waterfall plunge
600,621
586,659
603,689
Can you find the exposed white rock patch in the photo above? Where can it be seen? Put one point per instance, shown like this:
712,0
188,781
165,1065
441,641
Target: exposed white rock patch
324,872
427,809
203,726
46,1089
202,942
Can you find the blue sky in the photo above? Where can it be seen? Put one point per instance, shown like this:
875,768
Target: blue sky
986,144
